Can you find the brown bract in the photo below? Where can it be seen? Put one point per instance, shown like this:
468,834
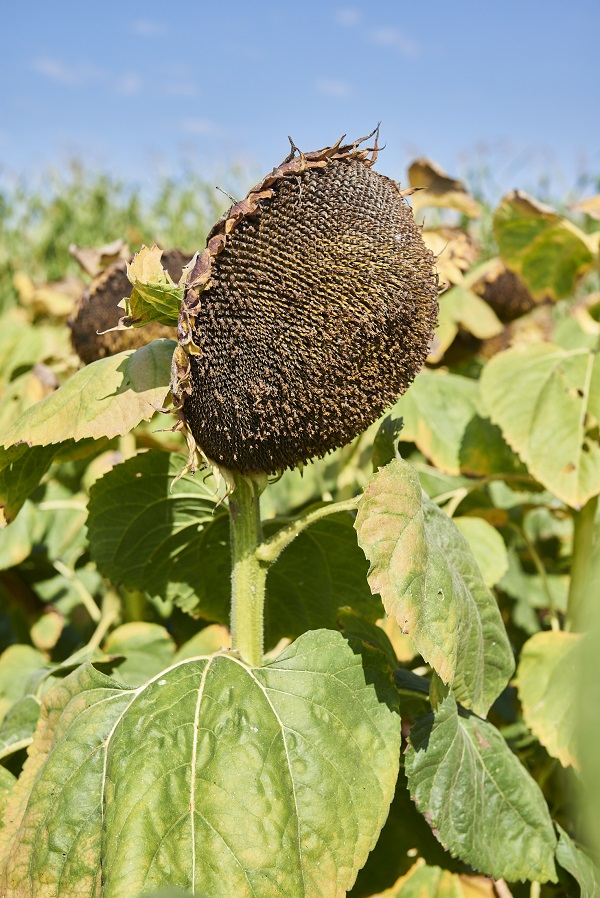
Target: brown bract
309,312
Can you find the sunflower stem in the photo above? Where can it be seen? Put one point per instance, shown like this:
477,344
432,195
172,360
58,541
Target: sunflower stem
248,573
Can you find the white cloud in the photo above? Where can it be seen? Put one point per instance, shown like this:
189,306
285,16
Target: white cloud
129,85
180,89
388,36
199,126
348,17
330,87
73,76
147,27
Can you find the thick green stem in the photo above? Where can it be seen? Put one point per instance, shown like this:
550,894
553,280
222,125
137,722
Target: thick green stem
248,573
583,539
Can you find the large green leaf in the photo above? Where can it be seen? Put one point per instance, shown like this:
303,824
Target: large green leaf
141,520
321,571
176,546
484,805
548,682
547,251
422,567
547,402
436,411
105,399
218,778
578,864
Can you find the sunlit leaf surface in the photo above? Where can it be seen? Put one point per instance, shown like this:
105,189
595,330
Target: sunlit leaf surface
220,779
424,571
105,399
484,805
546,400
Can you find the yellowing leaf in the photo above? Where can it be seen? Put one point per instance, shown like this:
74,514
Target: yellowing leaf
547,251
454,250
427,578
105,399
439,189
590,207
548,683
155,297
95,260
424,881
546,400
436,412
461,307
487,546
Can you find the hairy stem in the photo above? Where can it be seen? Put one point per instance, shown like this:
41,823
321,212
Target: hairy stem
271,548
583,538
248,572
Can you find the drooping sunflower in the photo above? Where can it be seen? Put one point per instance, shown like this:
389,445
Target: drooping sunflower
310,311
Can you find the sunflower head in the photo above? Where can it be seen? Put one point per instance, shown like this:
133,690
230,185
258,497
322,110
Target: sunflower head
309,312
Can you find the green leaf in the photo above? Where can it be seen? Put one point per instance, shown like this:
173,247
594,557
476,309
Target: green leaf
148,649
547,402
422,567
385,444
7,783
483,804
16,542
436,411
155,297
176,546
548,683
105,399
17,664
461,307
156,540
207,641
351,623
546,251
578,864
18,727
320,572
487,546
405,836
21,470
484,451
221,779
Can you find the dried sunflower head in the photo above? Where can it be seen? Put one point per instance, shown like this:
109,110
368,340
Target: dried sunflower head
311,309
97,310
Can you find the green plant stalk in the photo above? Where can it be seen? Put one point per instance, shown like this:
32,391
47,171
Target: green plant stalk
583,539
248,572
270,550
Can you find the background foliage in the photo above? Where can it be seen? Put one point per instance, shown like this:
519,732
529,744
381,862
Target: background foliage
101,560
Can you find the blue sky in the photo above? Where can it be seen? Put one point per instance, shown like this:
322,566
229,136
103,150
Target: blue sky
143,89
